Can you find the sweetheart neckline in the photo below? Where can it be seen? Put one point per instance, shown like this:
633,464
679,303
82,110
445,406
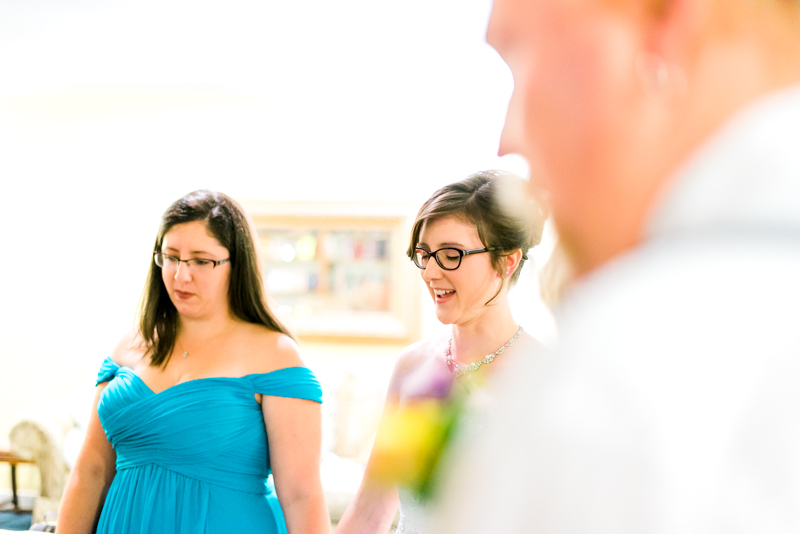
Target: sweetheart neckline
141,380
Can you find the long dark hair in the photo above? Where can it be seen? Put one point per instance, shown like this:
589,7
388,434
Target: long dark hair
226,221
476,200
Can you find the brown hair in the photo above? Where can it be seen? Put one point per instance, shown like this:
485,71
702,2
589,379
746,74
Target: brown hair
480,199
226,221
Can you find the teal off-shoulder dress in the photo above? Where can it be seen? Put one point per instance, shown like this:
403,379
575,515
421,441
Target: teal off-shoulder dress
193,458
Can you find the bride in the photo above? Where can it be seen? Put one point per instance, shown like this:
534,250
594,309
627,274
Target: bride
470,252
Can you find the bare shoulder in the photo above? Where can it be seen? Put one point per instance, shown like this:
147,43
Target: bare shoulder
416,356
267,350
420,352
129,350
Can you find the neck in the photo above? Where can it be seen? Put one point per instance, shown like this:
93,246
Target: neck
195,332
478,338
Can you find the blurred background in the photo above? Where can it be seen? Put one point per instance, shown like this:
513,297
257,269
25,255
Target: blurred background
330,122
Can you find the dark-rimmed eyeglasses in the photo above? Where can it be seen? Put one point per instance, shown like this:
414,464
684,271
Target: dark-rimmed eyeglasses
448,258
168,261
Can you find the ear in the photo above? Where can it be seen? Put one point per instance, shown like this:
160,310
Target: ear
670,33
512,262
672,27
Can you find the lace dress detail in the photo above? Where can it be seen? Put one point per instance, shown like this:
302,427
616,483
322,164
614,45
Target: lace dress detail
415,515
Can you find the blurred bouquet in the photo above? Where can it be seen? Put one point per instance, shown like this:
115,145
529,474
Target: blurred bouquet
414,436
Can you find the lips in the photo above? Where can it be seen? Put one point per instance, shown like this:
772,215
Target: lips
183,295
443,295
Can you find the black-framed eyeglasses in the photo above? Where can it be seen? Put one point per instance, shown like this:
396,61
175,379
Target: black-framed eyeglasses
194,264
448,258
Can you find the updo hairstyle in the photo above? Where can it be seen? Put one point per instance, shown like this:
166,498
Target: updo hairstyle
495,203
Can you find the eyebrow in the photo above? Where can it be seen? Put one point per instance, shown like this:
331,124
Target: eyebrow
192,252
443,245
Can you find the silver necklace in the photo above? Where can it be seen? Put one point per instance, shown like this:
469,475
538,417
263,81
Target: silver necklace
185,352
459,369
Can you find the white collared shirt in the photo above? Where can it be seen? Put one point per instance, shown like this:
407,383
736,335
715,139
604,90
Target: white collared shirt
672,401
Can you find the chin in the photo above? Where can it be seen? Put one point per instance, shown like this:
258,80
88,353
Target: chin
187,311
444,317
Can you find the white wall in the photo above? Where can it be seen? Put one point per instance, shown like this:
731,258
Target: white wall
109,111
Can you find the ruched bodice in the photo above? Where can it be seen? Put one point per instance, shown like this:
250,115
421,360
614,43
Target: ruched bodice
194,457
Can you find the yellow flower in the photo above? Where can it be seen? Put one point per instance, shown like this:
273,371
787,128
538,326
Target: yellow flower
411,440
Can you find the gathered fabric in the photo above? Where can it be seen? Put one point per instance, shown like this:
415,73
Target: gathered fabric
193,458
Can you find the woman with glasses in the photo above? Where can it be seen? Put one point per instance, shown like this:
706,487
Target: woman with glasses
178,436
470,251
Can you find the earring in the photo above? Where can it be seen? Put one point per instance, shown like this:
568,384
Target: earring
660,80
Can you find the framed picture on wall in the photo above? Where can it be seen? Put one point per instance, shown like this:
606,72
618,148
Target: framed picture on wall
339,271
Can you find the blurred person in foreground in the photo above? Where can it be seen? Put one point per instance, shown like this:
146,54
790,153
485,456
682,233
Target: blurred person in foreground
667,134
470,252
204,400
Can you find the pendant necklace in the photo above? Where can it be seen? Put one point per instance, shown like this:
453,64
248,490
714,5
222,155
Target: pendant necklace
460,369
185,352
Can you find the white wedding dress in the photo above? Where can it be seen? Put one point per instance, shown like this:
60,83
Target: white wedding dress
415,515
421,517
418,516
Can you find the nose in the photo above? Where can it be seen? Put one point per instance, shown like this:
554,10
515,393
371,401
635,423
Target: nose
432,271
514,128
510,136
182,273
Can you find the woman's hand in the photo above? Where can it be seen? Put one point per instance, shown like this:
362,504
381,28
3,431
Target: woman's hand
372,510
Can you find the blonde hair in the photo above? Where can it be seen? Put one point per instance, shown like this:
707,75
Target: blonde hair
555,276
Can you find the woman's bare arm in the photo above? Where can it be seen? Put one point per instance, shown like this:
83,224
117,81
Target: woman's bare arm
375,504
373,508
90,478
294,432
